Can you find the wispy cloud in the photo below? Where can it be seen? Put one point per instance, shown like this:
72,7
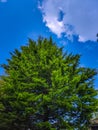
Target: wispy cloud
78,17
3,1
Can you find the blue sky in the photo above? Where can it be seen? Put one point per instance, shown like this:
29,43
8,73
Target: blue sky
72,24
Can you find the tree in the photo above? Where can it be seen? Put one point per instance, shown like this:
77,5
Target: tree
97,36
46,89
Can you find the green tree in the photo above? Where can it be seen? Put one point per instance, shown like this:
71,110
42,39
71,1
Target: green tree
46,89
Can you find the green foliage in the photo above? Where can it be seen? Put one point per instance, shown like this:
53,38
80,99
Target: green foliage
46,89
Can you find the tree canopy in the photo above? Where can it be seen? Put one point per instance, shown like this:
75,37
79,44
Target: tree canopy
45,88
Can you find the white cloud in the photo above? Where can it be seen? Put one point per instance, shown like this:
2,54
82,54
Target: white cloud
3,1
80,17
81,39
55,26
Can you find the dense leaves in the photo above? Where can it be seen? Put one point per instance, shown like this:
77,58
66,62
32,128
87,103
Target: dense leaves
46,89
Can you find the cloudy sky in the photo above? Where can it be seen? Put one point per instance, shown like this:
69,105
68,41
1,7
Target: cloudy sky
72,24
